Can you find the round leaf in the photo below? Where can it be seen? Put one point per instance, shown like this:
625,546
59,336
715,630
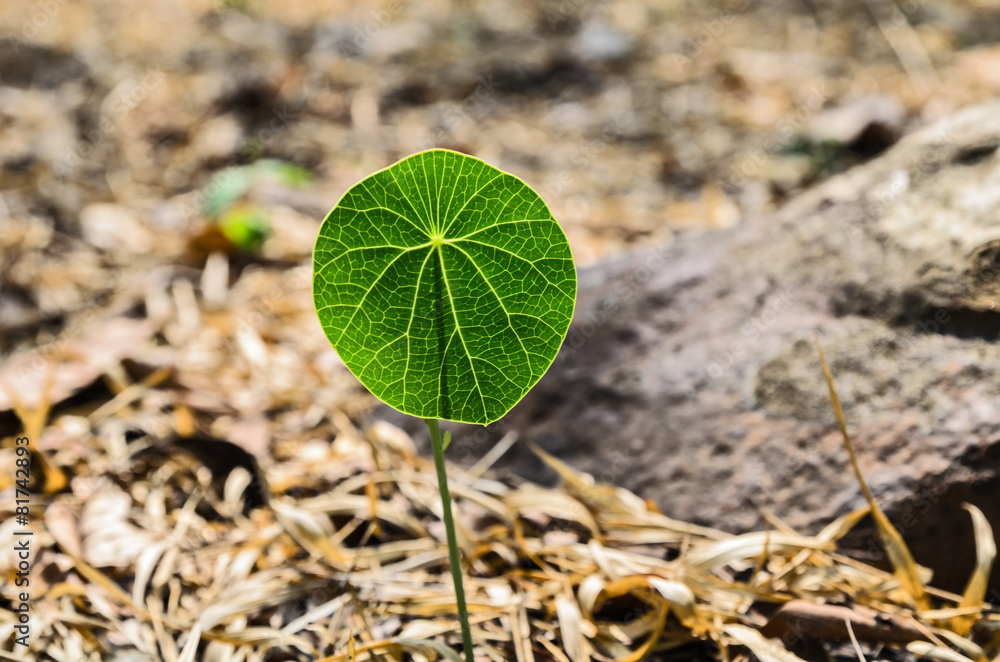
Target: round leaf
445,285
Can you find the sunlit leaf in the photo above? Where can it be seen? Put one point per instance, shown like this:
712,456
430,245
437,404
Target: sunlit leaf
445,285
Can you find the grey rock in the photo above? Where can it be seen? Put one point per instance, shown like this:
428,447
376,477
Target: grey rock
690,374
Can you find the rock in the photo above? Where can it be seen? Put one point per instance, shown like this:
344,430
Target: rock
690,374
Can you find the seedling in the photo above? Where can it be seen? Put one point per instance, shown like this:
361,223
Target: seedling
228,199
447,288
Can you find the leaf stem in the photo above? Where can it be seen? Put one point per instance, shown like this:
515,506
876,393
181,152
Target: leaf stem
454,560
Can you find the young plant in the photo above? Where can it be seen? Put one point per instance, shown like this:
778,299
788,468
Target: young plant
447,288
228,200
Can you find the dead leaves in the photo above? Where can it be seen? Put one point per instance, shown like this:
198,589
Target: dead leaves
359,566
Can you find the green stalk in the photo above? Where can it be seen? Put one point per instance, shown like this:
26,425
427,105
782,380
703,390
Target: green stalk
454,559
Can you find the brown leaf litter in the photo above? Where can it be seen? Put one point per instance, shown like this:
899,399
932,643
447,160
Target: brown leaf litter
201,491
157,551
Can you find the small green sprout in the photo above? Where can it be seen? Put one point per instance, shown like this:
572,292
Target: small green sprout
228,199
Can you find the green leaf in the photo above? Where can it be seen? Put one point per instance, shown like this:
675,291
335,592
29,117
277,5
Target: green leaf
246,226
445,285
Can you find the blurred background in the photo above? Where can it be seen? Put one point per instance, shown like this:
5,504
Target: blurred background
634,119
171,162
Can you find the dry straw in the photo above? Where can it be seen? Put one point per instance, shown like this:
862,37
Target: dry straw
344,559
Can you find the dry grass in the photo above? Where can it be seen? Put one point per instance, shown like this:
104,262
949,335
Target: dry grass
202,492
150,555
